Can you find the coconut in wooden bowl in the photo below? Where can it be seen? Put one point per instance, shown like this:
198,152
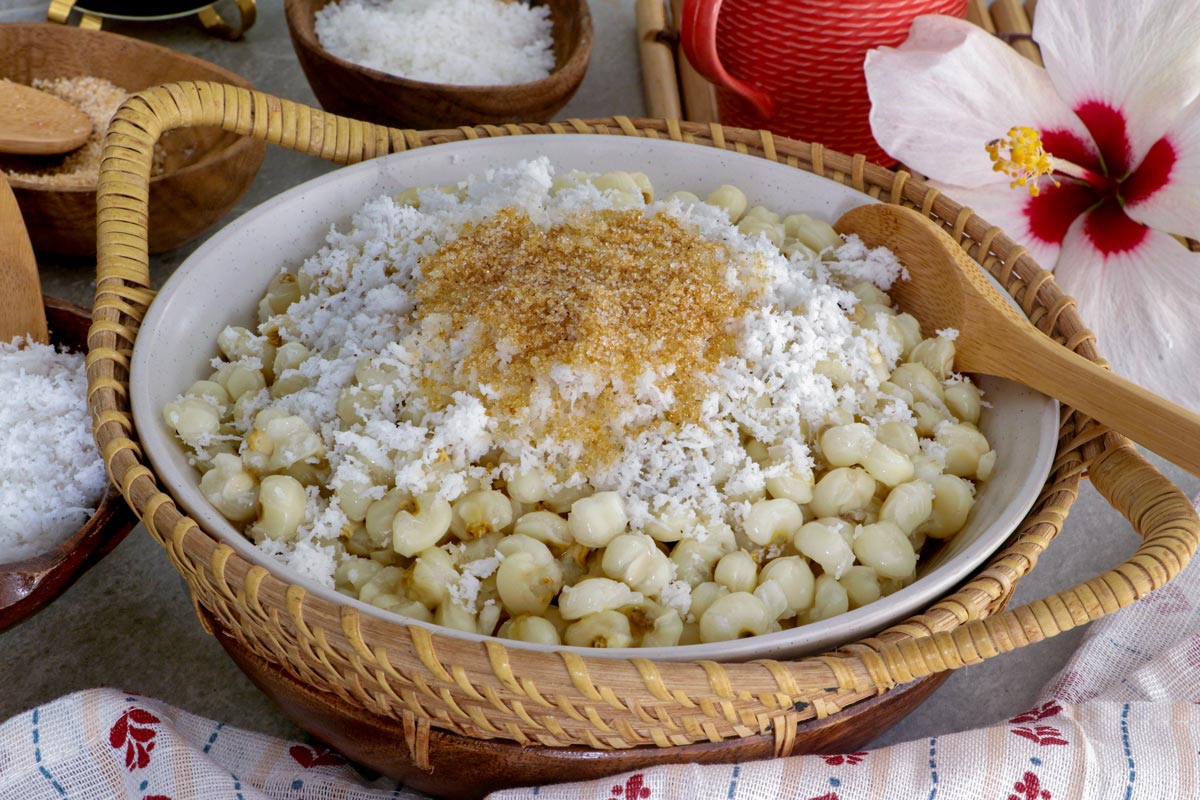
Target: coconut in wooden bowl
446,66
58,514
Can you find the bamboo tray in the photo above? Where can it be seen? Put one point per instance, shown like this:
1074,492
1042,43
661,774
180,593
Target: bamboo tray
414,704
674,90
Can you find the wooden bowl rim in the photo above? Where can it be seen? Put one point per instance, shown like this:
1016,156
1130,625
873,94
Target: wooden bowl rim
575,62
103,530
235,147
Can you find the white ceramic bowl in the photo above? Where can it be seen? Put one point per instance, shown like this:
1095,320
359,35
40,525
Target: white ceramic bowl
221,283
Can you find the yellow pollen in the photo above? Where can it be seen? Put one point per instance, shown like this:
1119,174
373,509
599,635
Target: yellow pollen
1022,157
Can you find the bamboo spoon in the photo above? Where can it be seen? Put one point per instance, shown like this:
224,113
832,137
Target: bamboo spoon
949,290
21,310
37,123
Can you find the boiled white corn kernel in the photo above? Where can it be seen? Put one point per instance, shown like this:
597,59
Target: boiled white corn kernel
861,585
479,513
772,521
964,402
734,616
601,629
422,526
230,488
730,198
635,560
593,595
826,546
194,419
842,491
527,586
952,501
884,548
908,505
595,521
829,600
847,445
282,503
737,571
794,576
545,526
539,630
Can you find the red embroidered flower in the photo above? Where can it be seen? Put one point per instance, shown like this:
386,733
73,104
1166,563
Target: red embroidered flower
1030,788
849,759
133,733
1042,735
634,789
309,757
826,796
156,797
1050,708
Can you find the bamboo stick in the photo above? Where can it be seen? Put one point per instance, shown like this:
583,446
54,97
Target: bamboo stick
1010,18
659,83
978,14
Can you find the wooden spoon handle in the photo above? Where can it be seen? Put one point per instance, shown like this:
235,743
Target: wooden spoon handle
21,310
1157,424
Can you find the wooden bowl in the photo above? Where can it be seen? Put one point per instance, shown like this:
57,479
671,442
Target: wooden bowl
207,170
27,586
464,768
364,93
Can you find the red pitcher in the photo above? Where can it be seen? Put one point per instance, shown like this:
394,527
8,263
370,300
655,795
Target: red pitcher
795,67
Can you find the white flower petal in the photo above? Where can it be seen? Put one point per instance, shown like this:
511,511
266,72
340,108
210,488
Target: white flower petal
951,88
1164,191
1005,208
1142,304
1138,56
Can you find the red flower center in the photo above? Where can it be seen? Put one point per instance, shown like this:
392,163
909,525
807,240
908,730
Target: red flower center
1110,186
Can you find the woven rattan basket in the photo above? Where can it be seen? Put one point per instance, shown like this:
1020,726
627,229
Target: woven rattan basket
401,698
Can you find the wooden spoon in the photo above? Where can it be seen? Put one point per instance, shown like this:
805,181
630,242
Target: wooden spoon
949,290
36,123
21,311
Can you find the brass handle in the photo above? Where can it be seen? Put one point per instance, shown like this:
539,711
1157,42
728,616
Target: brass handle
215,24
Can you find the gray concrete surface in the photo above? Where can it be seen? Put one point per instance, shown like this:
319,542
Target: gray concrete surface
129,622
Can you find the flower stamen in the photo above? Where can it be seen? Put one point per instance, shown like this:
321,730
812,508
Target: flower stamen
1022,157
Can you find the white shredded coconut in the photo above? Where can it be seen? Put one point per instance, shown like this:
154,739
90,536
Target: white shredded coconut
461,42
51,475
949,334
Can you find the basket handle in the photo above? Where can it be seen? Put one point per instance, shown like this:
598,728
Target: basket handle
698,35
1158,510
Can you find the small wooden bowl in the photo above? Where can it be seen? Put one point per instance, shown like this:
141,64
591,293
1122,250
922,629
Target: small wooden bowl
27,586
364,93
206,172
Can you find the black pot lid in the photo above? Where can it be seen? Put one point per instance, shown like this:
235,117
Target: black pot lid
141,9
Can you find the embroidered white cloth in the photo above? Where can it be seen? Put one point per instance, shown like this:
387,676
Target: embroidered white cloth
1122,721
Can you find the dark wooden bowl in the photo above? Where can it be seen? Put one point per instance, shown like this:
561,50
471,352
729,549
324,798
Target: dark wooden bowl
363,93
207,171
27,586
464,768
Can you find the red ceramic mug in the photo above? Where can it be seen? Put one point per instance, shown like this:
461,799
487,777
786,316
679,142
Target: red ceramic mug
795,67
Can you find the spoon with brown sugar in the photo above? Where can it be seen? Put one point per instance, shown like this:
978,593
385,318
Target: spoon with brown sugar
36,123
949,290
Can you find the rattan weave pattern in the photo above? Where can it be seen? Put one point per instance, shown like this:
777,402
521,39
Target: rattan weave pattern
492,690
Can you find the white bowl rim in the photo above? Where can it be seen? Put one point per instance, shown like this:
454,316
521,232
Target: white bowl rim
913,598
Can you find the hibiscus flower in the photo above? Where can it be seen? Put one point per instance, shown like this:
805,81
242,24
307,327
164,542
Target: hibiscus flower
1092,163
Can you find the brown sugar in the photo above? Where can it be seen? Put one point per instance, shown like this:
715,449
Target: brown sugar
613,293
99,99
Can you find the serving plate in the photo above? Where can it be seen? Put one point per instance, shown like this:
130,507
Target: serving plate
222,282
